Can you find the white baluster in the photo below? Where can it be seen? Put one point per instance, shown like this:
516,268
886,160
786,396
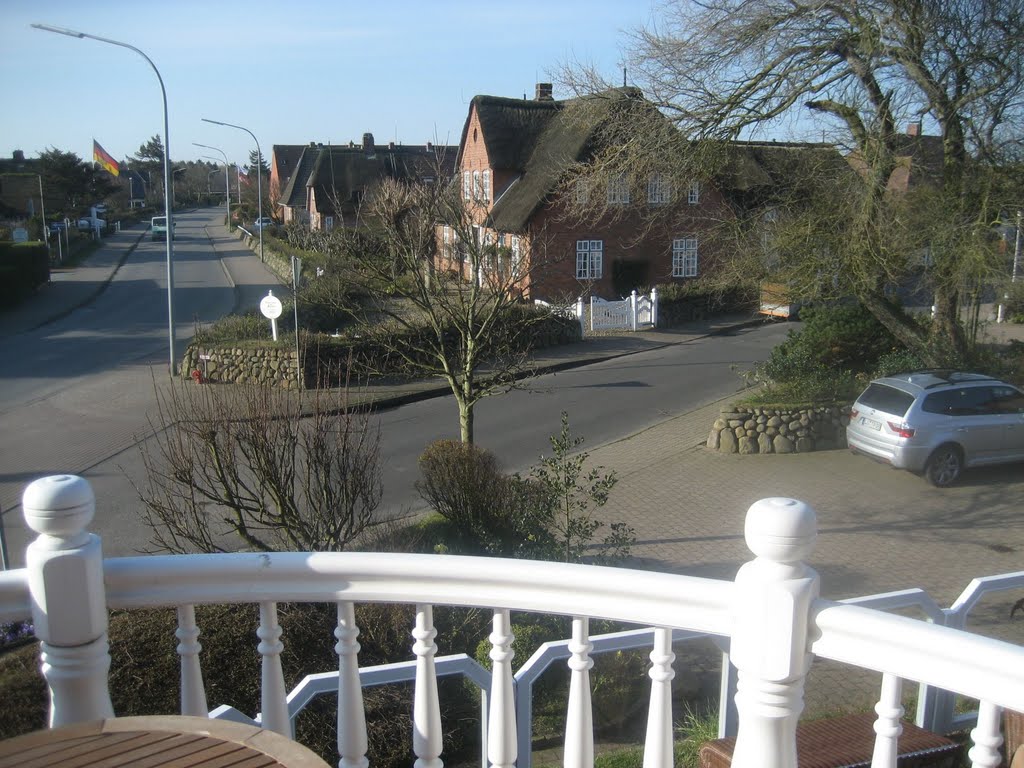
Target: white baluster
502,751
193,693
770,641
351,714
654,306
986,737
273,696
69,604
658,743
887,726
426,714
579,721
632,310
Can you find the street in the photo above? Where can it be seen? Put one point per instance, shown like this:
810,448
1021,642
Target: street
80,391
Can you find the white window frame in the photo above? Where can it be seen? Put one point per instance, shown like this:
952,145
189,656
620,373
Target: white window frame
328,223
684,257
618,189
467,188
485,177
693,193
589,259
659,190
476,185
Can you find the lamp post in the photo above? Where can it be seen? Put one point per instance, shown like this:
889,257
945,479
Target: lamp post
167,173
259,174
227,183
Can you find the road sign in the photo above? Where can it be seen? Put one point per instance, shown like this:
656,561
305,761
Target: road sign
270,306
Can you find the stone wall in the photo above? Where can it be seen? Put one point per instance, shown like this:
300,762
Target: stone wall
756,429
265,365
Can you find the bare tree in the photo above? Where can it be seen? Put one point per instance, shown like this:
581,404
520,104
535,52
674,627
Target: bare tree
855,70
260,467
439,288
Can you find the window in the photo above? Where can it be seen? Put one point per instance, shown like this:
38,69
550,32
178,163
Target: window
693,195
582,193
467,188
589,255
486,178
446,242
328,223
476,185
514,240
659,190
684,257
618,189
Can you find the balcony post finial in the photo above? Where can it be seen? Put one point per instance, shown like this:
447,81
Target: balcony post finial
770,643
69,604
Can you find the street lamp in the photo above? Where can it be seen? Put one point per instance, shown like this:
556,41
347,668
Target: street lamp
227,183
259,173
167,173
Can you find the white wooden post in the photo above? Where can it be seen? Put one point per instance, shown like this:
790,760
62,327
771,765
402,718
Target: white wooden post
658,743
632,309
273,695
580,314
591,313
579,719
770,642
193,693
654,307
426,714
352,741
887,726
69,604
502,750
986,737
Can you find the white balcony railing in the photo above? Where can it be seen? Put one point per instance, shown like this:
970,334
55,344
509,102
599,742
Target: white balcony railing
771,620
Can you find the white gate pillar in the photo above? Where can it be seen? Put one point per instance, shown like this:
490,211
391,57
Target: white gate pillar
69,604
632,310
654,307
770,645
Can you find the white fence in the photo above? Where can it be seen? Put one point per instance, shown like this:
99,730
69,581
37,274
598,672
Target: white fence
771,619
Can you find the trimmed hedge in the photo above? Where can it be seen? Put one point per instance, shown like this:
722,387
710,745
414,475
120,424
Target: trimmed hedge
678,304
23,268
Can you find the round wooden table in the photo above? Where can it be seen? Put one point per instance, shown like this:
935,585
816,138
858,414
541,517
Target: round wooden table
174,742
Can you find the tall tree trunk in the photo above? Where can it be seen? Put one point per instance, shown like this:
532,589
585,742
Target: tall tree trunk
465,420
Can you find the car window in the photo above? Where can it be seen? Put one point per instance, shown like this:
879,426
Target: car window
962,401
885,398
1008,400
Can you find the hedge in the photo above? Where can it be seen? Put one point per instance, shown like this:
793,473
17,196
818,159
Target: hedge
23,268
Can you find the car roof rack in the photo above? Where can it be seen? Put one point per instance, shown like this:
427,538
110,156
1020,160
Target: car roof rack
950,376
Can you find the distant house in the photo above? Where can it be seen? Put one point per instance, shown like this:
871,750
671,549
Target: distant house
514,157
327,184
19,188
284,159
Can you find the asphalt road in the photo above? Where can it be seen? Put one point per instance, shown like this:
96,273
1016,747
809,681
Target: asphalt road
76,391
605,402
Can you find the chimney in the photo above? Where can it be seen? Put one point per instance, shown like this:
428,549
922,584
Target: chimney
544,92
18,156
914,129
312,145
368,142
391,145
430,146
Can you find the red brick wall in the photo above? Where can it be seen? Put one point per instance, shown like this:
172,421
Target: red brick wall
553,242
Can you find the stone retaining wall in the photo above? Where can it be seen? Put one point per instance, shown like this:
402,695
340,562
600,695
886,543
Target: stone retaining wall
755,429
268,366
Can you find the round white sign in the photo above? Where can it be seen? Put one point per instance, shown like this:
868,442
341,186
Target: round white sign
270,306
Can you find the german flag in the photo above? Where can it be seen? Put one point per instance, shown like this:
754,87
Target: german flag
99,155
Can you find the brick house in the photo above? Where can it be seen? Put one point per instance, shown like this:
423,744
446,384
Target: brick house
513,158
327,183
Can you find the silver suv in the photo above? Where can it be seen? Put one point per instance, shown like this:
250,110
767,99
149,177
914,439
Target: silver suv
938,423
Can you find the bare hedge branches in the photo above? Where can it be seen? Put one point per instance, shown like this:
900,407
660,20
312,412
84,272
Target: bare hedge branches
260,467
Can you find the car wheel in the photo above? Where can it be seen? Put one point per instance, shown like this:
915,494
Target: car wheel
944,466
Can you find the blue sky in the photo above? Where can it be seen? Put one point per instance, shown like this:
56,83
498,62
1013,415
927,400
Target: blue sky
291,72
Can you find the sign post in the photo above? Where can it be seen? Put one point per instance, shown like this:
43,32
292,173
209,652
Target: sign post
271,308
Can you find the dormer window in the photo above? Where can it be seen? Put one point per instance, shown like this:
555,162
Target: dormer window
659,190
467,185
618,189
482,186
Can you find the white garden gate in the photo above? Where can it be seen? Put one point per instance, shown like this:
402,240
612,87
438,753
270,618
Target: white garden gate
633,313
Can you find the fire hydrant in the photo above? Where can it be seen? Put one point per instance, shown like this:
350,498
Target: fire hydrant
197,376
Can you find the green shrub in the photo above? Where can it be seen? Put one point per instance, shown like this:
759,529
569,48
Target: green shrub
23,268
